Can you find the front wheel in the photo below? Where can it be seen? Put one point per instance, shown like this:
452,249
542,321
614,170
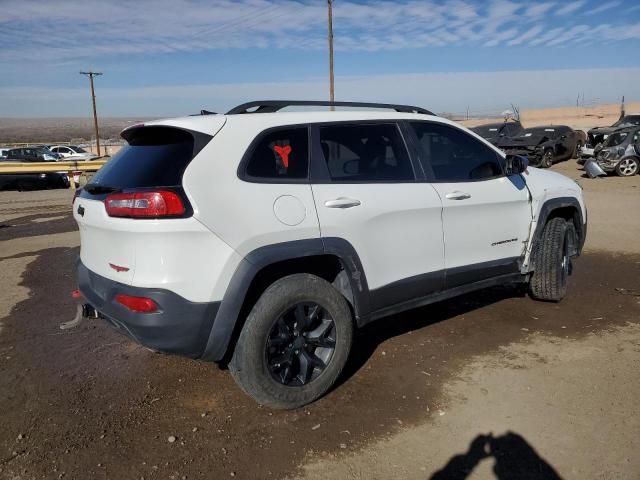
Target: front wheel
295,342
577,150
552,261
627,167
547,159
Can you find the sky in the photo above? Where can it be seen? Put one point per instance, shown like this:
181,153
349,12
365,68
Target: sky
174,57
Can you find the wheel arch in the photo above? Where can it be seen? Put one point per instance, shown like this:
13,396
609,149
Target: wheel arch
565,207
333,259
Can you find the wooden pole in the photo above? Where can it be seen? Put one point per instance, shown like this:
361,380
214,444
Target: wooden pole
93,100
330,35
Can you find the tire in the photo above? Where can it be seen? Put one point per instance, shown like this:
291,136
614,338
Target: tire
552,261
259,359
576,151
627,167
547,159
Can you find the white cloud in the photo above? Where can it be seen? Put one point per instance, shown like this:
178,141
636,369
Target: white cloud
604,7
571,7
79,30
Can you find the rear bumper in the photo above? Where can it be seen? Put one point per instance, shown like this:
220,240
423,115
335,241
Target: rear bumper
180,327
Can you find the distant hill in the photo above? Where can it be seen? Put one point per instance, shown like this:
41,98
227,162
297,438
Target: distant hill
23,130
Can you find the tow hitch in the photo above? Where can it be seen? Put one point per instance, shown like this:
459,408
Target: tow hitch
83,310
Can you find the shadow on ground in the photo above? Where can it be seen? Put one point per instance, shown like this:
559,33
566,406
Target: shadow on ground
514,459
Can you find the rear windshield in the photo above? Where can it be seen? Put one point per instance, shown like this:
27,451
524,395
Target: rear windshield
154,157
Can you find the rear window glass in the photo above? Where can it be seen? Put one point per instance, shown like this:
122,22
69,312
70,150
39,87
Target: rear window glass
280,155
365,153
154,157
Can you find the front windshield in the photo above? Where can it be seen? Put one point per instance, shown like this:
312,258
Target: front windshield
616,139
628,120
43,150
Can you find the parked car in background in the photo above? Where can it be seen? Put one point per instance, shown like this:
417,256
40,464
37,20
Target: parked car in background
620,152
494,132
27,181
72,152
545,145
32,154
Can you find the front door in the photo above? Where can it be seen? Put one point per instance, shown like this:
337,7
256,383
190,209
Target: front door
486,215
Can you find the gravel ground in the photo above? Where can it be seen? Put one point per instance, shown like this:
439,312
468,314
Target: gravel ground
490,385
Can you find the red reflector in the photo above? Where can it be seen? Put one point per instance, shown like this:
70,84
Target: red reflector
144,204
137,304
75,294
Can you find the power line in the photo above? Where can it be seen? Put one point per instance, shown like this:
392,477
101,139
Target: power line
93,99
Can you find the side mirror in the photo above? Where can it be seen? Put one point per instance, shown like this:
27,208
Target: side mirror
515,164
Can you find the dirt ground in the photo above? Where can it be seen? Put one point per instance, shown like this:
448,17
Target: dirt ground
582,118
490,385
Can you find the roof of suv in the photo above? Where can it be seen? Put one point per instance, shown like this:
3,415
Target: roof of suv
267,113
212,123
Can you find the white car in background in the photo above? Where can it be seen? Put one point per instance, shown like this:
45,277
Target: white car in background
72,152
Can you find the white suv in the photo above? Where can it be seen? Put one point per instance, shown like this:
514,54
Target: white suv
261,239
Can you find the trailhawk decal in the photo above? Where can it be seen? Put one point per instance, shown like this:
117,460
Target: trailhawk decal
504,241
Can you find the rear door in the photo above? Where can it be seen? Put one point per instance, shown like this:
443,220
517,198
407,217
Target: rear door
486,215
366,192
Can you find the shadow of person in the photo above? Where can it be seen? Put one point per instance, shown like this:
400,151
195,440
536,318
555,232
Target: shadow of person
514,458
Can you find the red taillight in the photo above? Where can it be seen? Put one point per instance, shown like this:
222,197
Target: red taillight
144,204
137,304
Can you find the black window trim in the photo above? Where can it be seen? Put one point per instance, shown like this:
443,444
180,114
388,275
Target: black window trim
426,165
320,171
246,157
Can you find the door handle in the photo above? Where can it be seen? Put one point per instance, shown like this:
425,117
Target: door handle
342,202
457,196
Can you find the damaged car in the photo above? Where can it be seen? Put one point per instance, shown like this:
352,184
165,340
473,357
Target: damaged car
545,145
620,152
494,132
597,136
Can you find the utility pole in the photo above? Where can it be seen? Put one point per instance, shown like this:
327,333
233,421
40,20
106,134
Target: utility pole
93,99
330,32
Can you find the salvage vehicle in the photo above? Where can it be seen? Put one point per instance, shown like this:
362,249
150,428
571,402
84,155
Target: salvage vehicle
262,239
598,135
619,152
545,145
494,132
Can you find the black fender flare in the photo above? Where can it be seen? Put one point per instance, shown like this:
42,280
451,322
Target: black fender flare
228,314
548,207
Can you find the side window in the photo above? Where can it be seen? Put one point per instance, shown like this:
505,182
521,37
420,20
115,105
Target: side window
365,153
282,154
455,156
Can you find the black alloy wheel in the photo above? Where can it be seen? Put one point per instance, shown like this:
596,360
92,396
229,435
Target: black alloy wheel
301,344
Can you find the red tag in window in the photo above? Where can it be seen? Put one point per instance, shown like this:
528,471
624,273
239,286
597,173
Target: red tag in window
283,153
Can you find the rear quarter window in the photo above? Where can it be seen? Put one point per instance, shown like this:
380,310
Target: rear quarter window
154,157
279,156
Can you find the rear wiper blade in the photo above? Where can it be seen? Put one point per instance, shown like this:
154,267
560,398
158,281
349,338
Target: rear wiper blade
96,189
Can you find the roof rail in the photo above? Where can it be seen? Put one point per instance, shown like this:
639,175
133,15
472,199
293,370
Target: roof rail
270,106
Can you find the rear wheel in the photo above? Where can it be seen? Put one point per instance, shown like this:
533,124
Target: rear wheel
547,159
295,342
627,167
552,261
